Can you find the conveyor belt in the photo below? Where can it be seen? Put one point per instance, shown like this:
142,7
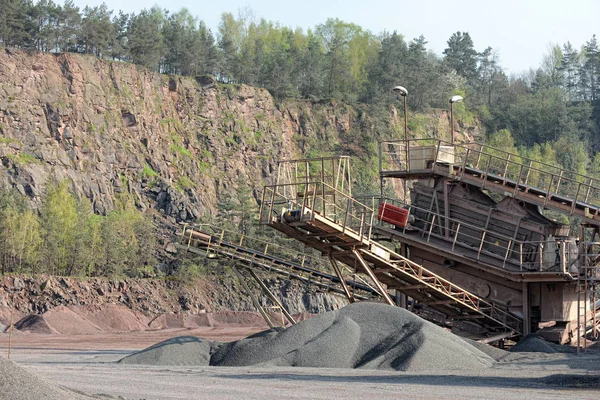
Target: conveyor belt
205,242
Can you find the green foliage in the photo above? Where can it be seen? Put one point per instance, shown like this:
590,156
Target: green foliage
130,241
461,55
20,239
189,272
148,173
22,158
5,140
184,183
70,239
177,147
59,221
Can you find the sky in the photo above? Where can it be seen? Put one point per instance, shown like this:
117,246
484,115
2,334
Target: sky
521,31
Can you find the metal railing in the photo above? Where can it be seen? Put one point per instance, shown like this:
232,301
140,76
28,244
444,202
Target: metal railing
312,198
216,237
526,255
490,163
459,295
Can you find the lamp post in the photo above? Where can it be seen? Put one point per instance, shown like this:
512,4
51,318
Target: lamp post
401,90
453,99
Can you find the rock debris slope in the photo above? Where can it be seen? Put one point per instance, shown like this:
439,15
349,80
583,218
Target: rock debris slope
18,384
361,335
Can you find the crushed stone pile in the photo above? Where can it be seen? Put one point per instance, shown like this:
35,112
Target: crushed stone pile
536,344
35,324
182,350
360,335
171,320
494,352
90,319
17,383
247,318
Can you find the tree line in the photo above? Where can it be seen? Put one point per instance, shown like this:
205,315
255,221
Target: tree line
64,237
555,106
335,60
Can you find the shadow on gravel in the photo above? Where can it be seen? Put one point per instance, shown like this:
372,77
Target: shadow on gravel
589,362
557,381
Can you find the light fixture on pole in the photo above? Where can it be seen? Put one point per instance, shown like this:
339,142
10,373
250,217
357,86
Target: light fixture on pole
401,90
453,99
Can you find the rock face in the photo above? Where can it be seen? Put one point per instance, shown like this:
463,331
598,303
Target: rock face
37,295
175,143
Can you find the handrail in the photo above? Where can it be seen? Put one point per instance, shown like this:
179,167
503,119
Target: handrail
322,198
459,295
514,252
492,163
240,239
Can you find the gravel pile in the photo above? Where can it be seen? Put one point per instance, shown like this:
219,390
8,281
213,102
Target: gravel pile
361,335
18,384
35,324
112,317
494,352
537,344
182,350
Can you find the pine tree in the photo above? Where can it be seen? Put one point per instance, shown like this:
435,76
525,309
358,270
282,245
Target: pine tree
461,56
145,40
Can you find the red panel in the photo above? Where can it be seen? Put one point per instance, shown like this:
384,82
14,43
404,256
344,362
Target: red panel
392,214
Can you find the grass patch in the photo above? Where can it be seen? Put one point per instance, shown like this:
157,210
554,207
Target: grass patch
4,140
148,173
180,150
183,183
23,158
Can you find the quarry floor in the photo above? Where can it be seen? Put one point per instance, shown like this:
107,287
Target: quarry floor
86,363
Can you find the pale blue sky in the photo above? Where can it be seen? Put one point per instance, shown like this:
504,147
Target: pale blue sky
520,30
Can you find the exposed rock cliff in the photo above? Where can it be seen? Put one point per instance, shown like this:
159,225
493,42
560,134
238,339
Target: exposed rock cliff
175,143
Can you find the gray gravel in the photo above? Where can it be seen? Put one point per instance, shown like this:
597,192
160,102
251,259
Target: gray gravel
361,335
494,352
18,384
182,350
536,344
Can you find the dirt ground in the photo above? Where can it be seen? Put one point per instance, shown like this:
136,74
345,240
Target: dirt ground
24,341
86,363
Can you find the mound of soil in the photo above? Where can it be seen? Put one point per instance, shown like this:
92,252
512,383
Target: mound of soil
198,320
166,321
35,324
536,344
63,320
246,318
112,317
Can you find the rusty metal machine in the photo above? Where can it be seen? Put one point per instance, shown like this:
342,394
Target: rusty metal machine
514,231
472,248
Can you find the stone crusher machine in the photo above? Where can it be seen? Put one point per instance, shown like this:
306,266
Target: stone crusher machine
486,220
311,201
